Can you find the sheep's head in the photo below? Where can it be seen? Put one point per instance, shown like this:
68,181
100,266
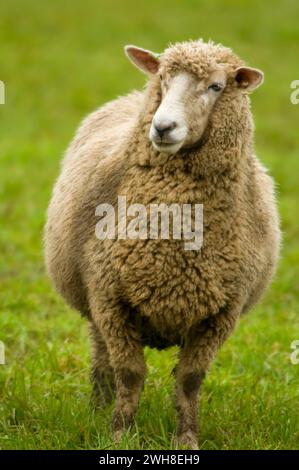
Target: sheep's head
193,77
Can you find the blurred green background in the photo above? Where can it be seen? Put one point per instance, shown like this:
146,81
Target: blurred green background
60,60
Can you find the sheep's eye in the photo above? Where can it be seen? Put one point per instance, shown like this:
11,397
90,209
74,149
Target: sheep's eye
216,87
161,78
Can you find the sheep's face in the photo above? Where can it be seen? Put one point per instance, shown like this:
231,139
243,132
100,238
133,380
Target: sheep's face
192,77
185,108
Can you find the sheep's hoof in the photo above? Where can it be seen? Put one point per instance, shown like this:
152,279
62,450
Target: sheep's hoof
121,424
187,441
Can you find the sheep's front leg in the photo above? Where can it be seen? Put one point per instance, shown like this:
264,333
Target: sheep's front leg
102,372
127,360
200,347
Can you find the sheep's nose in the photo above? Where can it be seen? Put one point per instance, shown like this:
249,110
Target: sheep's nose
164,127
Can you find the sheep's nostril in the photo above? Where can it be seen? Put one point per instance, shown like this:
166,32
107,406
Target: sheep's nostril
160,131
164,128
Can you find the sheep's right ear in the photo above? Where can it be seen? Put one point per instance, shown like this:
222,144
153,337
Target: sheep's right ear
144,60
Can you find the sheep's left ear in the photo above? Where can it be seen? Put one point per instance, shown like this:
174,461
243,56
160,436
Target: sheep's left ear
248,79
146,61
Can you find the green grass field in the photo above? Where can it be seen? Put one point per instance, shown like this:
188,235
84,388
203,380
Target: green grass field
59,61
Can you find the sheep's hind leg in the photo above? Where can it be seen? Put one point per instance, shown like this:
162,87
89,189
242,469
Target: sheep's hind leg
102,372
200,347
127,360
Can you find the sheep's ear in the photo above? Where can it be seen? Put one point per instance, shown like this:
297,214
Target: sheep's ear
248,79
146,61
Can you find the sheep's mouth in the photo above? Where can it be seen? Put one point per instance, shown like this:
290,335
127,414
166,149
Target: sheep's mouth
171,147
165,144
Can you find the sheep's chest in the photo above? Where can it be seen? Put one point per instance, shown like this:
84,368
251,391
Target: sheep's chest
173,286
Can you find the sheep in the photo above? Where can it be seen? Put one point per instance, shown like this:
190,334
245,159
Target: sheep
186,138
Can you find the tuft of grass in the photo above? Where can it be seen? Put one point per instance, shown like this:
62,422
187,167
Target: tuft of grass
59,61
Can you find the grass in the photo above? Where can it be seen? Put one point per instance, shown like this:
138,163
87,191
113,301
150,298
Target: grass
60,60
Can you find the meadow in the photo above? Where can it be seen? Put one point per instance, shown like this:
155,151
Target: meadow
59,61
